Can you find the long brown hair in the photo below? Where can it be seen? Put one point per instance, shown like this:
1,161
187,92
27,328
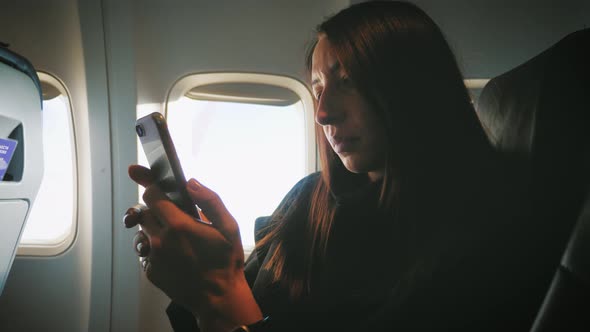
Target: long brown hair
402,65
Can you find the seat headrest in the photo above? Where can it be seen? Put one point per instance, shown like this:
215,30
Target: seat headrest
518,106
540,109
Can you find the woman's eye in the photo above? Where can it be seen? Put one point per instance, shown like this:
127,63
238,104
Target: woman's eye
346,82
318,94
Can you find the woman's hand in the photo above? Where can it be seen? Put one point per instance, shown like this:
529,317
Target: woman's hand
197,265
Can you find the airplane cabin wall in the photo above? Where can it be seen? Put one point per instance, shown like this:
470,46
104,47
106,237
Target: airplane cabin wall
490,37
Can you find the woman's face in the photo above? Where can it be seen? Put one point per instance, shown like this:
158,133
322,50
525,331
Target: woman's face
351,127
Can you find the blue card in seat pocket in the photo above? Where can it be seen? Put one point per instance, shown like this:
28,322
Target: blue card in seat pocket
7,147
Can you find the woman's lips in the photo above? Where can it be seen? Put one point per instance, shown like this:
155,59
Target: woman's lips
343,144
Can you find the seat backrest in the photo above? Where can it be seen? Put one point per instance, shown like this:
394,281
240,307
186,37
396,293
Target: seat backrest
20,137
540,112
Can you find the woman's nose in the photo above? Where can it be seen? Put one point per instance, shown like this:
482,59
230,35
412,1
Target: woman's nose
327,110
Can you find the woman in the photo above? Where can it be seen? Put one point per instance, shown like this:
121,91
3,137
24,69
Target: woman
395,233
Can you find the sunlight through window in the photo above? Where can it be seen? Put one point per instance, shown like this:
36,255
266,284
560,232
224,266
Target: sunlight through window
250,154
51,217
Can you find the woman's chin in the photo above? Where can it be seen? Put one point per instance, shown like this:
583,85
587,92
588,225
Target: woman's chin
354,165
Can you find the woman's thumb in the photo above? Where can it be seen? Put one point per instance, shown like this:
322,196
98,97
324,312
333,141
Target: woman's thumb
211,205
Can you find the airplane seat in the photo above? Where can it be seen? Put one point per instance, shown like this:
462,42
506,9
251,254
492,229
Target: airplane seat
567,303
540,112
21,151
261,228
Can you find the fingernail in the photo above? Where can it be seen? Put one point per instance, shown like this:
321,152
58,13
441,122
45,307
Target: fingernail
126,221
138,248
193,184
143,249
144,264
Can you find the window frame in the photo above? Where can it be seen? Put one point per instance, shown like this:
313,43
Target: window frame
57,248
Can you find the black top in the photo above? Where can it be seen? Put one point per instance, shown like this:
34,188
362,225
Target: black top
350,281
481,277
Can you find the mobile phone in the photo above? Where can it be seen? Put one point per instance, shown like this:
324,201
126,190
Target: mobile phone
164,164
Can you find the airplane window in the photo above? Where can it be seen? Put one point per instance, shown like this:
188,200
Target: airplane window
248,142
51,224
